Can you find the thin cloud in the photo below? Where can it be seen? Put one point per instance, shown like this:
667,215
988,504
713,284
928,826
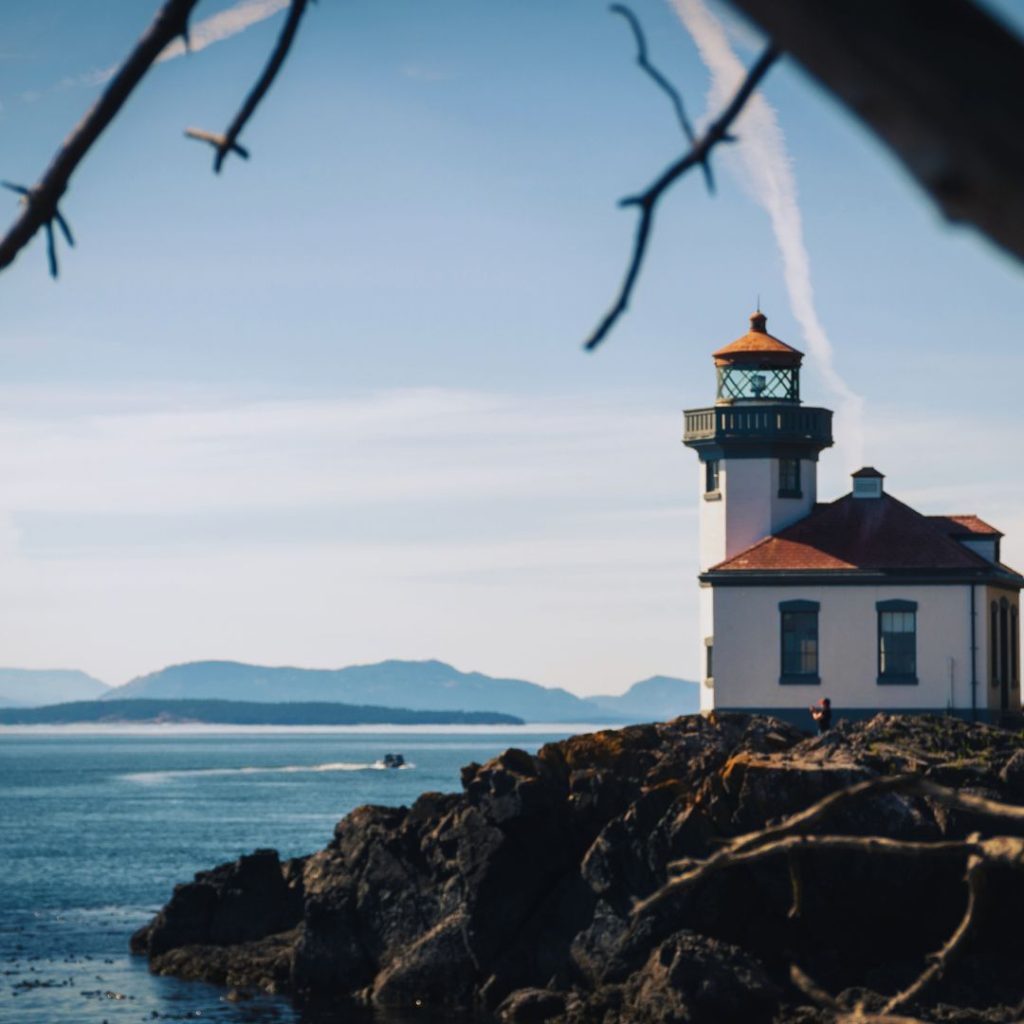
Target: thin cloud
423,73
332,530
219,27
214,29
763,167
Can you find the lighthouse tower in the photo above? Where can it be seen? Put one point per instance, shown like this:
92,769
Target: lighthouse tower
758,449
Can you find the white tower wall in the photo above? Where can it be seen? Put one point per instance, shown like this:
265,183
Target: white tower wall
748,508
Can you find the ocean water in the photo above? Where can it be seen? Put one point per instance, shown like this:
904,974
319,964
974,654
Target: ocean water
96,827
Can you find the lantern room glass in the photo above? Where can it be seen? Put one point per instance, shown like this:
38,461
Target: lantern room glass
774,384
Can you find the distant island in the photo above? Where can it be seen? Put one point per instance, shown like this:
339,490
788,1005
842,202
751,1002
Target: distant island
234,712
409,685
31,687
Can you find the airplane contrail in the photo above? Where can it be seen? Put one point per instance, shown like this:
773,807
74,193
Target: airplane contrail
763,167
214,29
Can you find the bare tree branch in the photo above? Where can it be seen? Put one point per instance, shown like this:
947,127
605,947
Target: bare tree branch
773,838
956,942
789,838
868,845
663,83
227,143
944,92
647,201
39,203
218,142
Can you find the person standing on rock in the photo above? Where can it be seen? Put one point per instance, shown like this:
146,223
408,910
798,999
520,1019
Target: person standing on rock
822,714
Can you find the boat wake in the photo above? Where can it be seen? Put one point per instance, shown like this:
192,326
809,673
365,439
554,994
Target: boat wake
156,778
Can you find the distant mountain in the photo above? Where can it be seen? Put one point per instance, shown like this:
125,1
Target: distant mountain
418,685
231,712
30,687
652,700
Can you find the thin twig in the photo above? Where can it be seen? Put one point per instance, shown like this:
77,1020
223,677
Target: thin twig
956,942
868,845
796,885
816,994
663,83
647,201
228,142
812,989
752,844
219,142
40,202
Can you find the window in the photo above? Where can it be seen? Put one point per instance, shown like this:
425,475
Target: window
1014,649
799,642
711,476
789,478
867,487
1004,642
709,657
993,644
897,641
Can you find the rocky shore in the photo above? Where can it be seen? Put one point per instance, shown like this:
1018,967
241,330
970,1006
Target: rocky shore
517,898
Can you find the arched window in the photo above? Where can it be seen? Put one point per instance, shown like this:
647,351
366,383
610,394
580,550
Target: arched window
993,645
1014,647
1004,641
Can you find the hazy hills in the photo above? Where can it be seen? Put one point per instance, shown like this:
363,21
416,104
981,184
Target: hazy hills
29,687
652,700
417,685
412,685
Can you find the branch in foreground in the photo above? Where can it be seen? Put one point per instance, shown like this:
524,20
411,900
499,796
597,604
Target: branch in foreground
788,838
39,203
663,83
228,142
944,92
647,201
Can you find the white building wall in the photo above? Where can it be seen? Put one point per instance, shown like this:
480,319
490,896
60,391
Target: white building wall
748,648
991,696
747,499
748,507
786,511
712,523
707,632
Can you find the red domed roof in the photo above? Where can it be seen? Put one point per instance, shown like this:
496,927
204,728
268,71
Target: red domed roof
759,345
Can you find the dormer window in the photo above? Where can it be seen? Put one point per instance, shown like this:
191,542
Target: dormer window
867,483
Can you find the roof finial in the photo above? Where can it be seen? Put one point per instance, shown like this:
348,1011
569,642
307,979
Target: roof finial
759,302
758,321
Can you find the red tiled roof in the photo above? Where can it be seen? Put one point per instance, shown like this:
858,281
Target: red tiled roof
966,525
860,533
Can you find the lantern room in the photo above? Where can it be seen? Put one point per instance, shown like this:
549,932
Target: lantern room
758,368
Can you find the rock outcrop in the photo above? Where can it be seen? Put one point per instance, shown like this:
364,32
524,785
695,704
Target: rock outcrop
516,897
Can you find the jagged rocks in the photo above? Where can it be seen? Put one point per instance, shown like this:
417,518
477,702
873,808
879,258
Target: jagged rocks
252,898
517,895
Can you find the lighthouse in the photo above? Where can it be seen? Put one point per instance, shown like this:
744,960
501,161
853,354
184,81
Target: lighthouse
862,599
758,448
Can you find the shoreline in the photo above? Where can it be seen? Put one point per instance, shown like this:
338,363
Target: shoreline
212,728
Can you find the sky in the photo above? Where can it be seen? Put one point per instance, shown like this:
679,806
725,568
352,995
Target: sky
330,406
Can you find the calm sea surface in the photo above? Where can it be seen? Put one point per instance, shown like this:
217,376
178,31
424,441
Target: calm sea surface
96,828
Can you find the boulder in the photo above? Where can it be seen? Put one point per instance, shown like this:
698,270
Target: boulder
240,902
